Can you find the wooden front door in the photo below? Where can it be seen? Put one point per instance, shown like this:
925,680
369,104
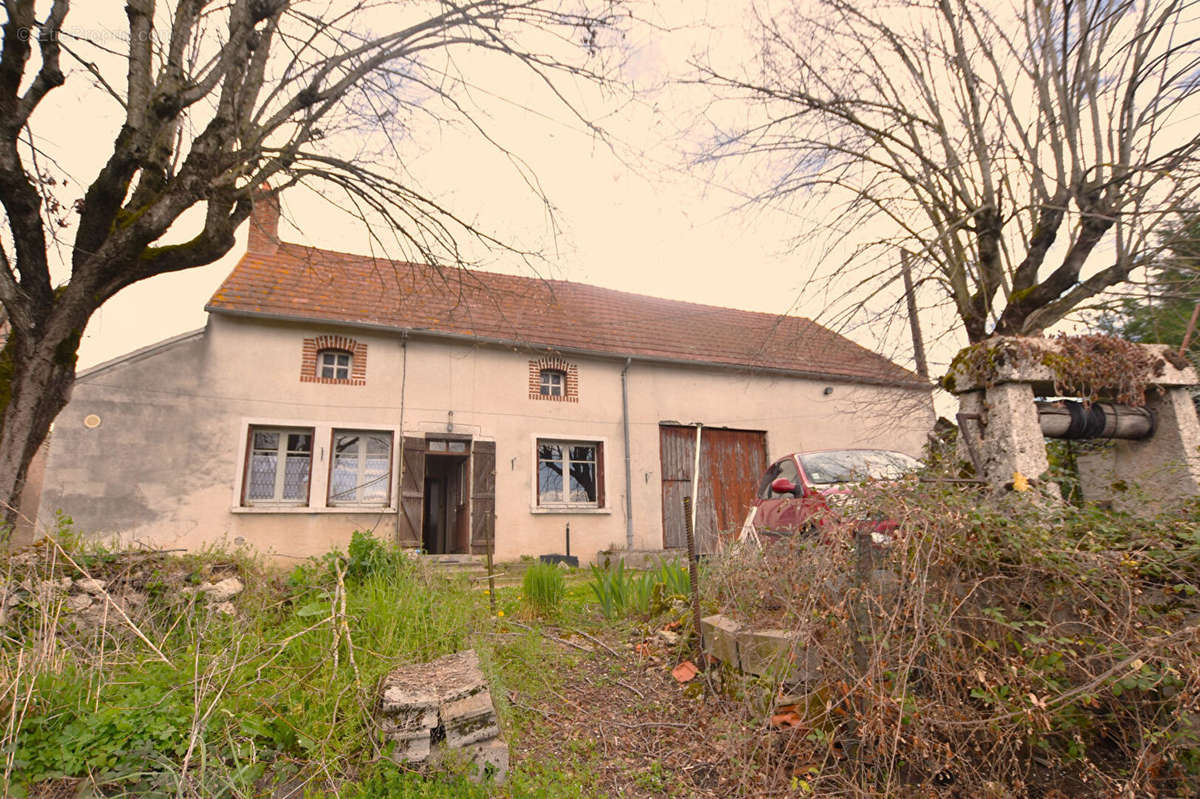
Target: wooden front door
483,495
412,492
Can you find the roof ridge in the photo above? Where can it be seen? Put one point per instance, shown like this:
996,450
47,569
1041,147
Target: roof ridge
545,280
299,281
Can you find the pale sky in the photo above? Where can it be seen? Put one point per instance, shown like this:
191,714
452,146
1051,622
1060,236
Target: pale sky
632,214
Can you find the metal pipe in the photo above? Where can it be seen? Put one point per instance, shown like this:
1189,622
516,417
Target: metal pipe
965,436
400,460
1071,419
628,462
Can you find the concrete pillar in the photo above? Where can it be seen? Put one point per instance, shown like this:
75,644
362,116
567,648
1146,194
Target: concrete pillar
1011,439
1164,468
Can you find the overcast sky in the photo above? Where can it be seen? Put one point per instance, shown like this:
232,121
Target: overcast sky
631,212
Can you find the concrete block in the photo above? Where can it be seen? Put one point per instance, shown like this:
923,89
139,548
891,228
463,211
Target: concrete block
778,653
406,712
412,750
470,720
720,638
486,760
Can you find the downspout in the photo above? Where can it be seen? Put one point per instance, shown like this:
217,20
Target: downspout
400,471
628,460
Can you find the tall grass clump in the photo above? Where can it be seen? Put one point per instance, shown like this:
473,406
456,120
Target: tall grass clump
1005,646
543,587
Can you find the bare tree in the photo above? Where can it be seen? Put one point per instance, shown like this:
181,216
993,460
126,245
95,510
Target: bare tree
1022,152
219,100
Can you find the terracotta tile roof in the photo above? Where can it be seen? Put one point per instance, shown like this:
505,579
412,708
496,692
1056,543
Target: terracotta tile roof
306,283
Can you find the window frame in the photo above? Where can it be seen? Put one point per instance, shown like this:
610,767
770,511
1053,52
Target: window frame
280,471
320,469
537,505
341,373
546,388
334,432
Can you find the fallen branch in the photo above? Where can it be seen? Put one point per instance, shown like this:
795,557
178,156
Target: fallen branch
594,640
550,637
629,687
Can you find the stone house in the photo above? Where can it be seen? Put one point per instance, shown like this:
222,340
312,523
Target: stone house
438,408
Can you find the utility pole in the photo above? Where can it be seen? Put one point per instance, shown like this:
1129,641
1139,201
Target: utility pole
913,323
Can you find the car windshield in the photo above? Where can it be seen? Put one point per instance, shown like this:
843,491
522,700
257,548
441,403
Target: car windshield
854,465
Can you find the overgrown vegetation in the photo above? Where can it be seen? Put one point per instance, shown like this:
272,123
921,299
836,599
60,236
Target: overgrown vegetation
1002,648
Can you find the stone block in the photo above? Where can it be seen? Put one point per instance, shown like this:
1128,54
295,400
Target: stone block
1166,467
78,602
445,679
406,713
222,591
470,720
720,638
91,586
1021,360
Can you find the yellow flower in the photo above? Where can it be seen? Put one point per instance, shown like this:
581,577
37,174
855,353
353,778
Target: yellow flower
1020,482
499,613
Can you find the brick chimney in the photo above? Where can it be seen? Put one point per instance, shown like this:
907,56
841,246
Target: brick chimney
264,224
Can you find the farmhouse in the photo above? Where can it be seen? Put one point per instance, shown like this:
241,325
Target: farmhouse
441,408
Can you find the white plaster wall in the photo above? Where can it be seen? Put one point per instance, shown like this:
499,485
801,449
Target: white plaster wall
191,404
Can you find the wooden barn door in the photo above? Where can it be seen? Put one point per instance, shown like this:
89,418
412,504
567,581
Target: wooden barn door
731,462
483,495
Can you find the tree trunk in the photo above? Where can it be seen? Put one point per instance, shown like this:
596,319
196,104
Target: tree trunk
42,376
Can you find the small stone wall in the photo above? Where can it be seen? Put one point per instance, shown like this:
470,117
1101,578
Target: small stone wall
433,710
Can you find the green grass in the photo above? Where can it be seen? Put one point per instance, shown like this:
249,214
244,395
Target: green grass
287,686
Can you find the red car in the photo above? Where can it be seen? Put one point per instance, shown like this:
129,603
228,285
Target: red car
802,491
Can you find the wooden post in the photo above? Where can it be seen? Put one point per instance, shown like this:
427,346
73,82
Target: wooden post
693,575
491,574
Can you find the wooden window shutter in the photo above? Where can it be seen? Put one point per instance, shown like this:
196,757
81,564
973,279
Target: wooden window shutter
600,475
412,491
483,495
